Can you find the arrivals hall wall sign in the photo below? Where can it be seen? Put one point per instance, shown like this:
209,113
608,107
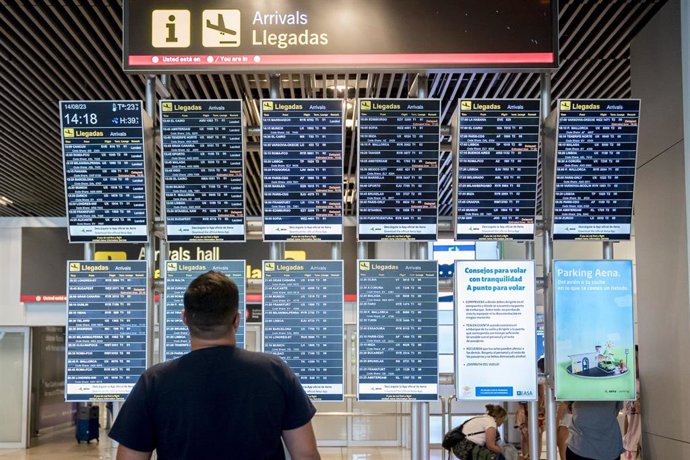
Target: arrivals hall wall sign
275,35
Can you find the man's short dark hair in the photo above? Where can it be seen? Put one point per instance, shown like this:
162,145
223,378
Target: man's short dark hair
211,303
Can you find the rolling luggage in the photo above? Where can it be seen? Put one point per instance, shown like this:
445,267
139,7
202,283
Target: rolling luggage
87,424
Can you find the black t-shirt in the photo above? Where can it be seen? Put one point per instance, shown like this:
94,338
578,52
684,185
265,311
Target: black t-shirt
214,403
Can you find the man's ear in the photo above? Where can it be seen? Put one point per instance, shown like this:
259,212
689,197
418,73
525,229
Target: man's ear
184,317
236,322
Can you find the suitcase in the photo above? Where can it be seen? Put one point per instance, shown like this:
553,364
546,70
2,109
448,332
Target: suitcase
87,424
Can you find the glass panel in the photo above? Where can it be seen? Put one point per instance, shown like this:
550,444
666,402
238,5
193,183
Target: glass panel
11,385
330,427
446,364
445,339
435,428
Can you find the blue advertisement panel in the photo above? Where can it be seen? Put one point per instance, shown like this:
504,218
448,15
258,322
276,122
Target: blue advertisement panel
103,160
302,142
303,322
496,179
203,170
495,330
178,275
595,169
106,329
398,144
397,324
593,314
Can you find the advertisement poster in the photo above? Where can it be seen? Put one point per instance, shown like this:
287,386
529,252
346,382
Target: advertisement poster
593,312
496,346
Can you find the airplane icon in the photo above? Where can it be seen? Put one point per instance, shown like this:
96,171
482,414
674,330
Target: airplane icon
220,27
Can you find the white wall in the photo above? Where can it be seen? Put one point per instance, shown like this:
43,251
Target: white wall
662,242
12,311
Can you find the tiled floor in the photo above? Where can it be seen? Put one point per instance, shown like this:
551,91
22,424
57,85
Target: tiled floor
63,446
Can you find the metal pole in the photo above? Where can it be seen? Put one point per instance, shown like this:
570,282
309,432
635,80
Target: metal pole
277,250
532,406
608,250
89,251
150,247
336,251
362,250
163,254
551,423
420,410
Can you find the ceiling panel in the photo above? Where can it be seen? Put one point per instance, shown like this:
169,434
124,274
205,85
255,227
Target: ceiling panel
71,49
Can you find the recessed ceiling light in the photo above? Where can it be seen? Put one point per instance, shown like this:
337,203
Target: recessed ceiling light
4,201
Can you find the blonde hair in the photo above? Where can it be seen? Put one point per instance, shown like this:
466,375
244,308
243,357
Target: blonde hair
496,411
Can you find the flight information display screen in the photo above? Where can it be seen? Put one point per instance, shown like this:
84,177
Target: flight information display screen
397,318
203,170
103,159
303,322
398,144
302,160
595,168
497,168
106,329
178,276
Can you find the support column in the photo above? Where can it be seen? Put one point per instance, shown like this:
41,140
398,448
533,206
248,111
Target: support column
532,406
420,410
150,246
277,250
551,424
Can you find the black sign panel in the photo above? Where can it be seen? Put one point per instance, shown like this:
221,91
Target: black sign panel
178,275
103,158
203,170
106,329
399,142
303,322
496,178
241,35
302,151
397,356
595,169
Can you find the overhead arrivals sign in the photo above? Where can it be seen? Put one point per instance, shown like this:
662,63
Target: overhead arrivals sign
397,321
241,35
178,276
398,143
595,168
497,145
303,322
103,152
302,169
106,329
203,170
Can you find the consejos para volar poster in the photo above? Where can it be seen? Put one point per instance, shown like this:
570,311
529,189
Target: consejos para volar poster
593,312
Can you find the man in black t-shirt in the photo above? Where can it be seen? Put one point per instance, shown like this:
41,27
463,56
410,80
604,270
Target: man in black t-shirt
218,401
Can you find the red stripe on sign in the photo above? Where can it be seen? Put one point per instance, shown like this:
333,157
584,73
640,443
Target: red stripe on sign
43,298
256,298
229,60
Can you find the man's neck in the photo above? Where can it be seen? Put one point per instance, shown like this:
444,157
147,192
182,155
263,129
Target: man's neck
199,343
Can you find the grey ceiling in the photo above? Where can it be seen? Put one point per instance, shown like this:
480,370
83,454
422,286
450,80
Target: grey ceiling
52,50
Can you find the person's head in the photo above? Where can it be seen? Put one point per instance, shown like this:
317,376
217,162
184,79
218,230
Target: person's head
497,412
211,306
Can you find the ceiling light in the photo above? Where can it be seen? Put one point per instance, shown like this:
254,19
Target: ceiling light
4,201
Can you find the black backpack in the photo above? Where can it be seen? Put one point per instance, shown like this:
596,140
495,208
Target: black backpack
456,435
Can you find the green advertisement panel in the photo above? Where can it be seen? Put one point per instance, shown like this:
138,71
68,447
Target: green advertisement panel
593,313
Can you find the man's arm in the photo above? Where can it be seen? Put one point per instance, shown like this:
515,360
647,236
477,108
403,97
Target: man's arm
300,442
125,453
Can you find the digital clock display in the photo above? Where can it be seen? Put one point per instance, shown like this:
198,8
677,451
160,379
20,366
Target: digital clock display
103,152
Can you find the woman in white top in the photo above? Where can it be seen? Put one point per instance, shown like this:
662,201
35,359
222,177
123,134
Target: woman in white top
482,430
